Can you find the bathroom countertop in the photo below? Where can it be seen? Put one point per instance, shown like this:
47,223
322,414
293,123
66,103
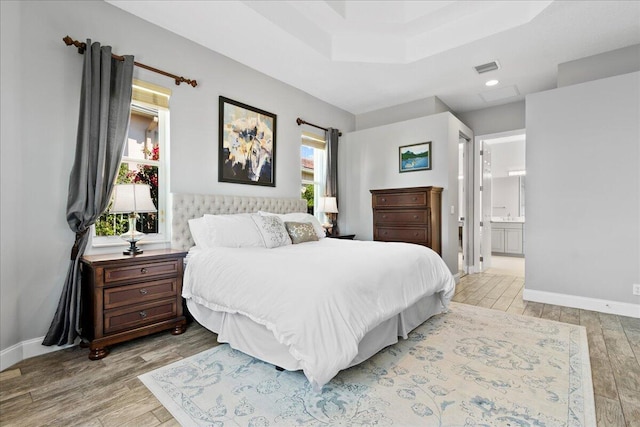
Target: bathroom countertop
516,220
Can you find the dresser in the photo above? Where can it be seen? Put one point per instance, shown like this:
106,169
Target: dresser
126,297
411,215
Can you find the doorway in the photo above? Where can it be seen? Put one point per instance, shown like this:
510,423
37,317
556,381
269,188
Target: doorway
500,159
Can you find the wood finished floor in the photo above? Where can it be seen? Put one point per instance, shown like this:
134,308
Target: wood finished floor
64,388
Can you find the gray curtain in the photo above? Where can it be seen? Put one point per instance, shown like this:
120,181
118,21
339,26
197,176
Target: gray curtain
331,182
331,185
105,102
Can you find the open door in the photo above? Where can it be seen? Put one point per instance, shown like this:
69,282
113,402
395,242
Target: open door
485,203
465,205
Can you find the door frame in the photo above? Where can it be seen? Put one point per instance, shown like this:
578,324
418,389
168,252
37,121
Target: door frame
476,266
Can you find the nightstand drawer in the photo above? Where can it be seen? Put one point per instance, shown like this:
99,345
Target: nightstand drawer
138,315
418,216
141,292
400,199
391,234
140,271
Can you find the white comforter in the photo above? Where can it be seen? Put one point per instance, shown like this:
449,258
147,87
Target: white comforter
318,298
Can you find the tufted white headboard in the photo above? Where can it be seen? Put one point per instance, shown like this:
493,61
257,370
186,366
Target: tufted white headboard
189,206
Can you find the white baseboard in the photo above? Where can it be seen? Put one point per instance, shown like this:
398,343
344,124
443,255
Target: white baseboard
456,278
26,349
585,303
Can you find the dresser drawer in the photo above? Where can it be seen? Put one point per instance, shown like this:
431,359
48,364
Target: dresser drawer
140,271
401,216
138,315
418,198
405,234
142,292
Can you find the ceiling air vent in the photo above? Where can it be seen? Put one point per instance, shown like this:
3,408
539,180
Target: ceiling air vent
485,68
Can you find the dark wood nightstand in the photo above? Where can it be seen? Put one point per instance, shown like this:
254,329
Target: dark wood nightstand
126,297
343,236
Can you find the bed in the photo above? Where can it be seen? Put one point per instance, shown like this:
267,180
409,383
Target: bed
319,306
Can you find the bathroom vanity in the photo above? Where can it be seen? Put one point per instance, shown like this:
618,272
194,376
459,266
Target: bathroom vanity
507,237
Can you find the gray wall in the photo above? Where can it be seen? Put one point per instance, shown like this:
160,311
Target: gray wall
607,64
501,118
398,113
583,189
369,160
11,223
40,97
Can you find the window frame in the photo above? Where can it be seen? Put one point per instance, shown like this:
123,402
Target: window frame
319,146
149,97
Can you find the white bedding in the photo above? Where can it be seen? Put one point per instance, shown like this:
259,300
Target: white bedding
318,298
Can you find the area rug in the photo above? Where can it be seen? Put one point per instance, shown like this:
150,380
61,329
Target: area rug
468,367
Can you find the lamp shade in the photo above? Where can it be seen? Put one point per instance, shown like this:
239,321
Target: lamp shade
329,205
129,198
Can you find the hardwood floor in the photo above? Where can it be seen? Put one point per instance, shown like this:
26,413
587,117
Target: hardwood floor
65,388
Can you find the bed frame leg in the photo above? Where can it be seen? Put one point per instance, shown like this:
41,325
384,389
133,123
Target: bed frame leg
278,368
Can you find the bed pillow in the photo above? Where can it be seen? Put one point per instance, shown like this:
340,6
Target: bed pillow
301,232
199,232
272,230
300,217
232,231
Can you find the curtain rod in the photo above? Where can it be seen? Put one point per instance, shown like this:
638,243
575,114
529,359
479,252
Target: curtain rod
299,121
179,79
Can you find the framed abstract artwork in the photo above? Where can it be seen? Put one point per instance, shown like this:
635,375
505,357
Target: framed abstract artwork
415,157
247,144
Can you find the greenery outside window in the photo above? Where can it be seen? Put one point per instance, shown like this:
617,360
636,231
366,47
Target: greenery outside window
313,171
144,160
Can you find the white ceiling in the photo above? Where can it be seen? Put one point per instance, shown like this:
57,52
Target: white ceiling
366,55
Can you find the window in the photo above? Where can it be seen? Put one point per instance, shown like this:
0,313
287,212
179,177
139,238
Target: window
313,166
144,160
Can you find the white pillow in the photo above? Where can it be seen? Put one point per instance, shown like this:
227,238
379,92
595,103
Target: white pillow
300,217
232,231
272,229
199,232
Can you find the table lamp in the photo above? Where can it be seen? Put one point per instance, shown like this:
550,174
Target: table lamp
329,206
132,199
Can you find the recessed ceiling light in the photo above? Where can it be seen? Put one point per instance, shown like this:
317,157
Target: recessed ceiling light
492,83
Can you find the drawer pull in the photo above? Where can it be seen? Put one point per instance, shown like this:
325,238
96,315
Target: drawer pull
143,271
143,291
385,233
415,217
415,199
143,314
384,217
415,234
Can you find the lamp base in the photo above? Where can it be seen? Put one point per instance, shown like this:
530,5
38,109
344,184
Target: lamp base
132,236
133,249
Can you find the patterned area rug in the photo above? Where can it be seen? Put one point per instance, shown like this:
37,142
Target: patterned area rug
468,367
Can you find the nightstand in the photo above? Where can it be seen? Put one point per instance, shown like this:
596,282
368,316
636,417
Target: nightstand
126,297
343,236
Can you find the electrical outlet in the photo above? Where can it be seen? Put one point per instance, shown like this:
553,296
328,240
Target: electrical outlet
636,289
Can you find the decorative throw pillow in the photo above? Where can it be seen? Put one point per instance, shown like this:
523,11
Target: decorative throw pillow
300,217
301,232
272,230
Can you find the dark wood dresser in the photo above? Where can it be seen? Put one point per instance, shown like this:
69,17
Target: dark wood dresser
411,215
126,297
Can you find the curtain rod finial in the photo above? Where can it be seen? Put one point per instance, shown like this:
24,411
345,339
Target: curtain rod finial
299,121
69,41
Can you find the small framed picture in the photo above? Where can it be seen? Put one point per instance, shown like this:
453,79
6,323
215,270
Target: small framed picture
247,144
415,157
